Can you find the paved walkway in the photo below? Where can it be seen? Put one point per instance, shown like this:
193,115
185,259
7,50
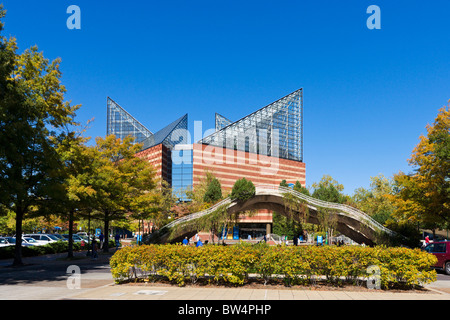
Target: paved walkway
155,292
45,278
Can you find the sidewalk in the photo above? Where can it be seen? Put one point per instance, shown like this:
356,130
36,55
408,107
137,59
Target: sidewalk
155,292
48,274
51,258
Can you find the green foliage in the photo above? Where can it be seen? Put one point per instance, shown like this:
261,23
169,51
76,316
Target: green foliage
424,195
33,115
298,265
213,192
299,188
376,200
123,182
243,190
283,183
328,193
283,225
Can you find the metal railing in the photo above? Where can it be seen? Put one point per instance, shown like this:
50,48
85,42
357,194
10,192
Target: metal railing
196,215
342,208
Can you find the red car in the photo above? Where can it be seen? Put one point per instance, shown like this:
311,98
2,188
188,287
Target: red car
441,249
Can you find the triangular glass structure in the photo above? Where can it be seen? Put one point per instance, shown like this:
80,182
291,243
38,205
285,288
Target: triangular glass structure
174,133
122,124
221,122
275,130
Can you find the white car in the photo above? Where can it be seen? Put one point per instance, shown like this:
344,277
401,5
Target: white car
11,241
42,238
5,243
31,241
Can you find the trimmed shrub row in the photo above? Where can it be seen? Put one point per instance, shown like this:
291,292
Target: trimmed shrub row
295,265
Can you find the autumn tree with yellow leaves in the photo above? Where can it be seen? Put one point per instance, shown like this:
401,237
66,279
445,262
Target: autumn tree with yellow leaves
423,196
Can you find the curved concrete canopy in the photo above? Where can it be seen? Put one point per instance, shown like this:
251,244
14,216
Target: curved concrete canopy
347,220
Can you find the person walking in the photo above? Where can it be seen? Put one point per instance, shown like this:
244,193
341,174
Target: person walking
101,238
94,249
117,239
185,241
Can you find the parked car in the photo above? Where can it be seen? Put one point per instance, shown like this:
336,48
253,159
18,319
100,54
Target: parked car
31,241
12,241
59,236
4,242
441,249
75,237
43,238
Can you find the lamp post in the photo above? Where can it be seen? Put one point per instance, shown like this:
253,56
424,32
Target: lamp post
89,234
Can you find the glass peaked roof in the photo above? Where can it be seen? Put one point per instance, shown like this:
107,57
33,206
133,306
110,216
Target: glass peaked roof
221,122
122,124
174,133
274,130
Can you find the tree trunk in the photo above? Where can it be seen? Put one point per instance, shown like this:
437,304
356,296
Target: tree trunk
106,228
70,249
18,249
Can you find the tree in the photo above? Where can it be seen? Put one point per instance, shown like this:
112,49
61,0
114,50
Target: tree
197,194
424,195
122,181
299,188
76,192
376,200
165,202
329,190
243,190
213,192
283,183
287,225
32,110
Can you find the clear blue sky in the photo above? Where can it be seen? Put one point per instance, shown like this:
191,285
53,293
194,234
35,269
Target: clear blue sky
368,94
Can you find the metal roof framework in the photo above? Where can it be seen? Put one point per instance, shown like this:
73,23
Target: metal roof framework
122,124
274,130
222,122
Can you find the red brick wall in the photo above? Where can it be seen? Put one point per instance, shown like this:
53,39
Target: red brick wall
231,165
160,157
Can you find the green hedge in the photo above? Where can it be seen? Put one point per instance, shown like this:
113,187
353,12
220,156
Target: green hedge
295,265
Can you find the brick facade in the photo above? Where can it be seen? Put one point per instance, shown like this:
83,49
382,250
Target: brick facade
230,165
160,157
